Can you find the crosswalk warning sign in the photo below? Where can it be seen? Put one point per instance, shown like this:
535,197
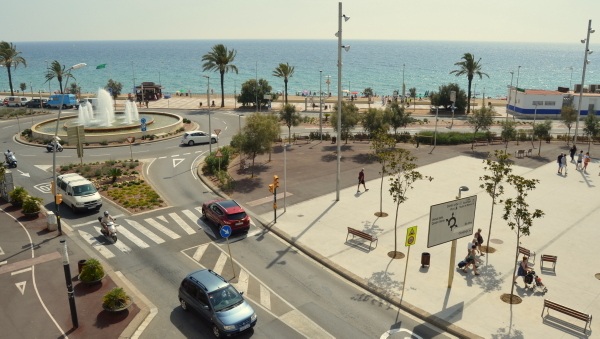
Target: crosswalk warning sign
411,236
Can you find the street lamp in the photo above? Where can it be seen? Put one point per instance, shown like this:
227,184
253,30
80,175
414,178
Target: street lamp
48,70
55,140
208,107
585,62
453,249
70,291
516,93
321,105
533,132
512,75
339,98
328,81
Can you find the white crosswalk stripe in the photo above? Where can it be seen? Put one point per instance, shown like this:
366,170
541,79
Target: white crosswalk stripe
265,297
243,279
145,231
182,223
96,244
162,218
199,252
132,237
162,228
220,264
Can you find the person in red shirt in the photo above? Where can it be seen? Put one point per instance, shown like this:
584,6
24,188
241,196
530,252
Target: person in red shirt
361,180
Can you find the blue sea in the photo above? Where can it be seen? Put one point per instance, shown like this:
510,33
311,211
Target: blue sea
381,65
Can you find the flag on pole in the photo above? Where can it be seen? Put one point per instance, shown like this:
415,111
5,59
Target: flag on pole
102,66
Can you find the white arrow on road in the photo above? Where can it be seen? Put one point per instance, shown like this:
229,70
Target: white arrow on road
177,162
23,173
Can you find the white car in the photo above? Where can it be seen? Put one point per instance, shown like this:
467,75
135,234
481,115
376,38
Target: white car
198,137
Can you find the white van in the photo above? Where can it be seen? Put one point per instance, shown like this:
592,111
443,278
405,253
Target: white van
78,193
13,101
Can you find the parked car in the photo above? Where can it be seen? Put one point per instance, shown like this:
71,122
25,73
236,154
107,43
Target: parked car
37,103
13,101
198,137
226,212
217,301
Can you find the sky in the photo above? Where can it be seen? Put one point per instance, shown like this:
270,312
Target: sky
552,21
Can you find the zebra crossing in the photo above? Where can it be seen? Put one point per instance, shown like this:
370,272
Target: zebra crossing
141,234
214,257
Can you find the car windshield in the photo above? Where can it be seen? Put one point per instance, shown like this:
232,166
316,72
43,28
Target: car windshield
84,190
225,298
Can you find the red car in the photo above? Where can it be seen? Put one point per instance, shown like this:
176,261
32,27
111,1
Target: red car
226,212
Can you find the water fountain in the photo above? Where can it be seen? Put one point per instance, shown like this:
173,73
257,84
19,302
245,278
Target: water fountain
103,124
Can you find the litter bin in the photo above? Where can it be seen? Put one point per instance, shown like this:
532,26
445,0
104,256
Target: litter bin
80,265
425,257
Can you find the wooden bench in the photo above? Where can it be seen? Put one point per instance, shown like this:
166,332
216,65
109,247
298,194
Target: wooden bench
529,151
302,137
548,258
528,253
497,141
520,153
481,142
568,311
363,235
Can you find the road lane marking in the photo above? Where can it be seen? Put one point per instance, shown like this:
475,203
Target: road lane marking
96,245
21,286
301,323
242,284
28,269
182,223
266,199
162,218
145,231
199,251
134,238
220,264
265,298
29,262
177,162
162,228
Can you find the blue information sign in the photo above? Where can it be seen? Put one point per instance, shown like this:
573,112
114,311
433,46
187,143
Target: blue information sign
225,231
143,124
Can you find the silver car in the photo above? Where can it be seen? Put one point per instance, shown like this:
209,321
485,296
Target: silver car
198,137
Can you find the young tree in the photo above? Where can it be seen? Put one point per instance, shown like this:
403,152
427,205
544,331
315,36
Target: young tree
252,90
568,115
481,119
10,57
542,131
509,132
284,71
498,170
374,121
403,171
413,95
291,118
517,213
470,67
368,92
60,72
442,97
350,118
74,89
591,128
220,59
23,87
383,146
397,116
115,88
258,135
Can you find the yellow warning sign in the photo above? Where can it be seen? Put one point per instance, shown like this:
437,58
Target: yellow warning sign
411,236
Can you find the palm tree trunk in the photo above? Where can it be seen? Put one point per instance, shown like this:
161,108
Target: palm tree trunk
286,95
468,96
10,81
222,89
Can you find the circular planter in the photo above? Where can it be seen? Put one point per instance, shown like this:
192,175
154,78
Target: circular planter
93,282
120,309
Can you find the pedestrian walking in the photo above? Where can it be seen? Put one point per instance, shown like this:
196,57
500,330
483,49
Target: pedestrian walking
559,162
564,163
361,180
586,161
572,152
470,260
523,270
579,161
479,238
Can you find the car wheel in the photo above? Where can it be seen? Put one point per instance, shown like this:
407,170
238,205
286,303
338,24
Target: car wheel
60,149
183,304
216,331
74,209
64,106
191,143
213,140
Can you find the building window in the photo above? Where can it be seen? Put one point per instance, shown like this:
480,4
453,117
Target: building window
549,103
538,103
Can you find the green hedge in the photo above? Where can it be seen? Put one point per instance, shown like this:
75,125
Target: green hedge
211,163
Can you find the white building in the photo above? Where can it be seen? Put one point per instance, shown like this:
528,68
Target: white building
544,103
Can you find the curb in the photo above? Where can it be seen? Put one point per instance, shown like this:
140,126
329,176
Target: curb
351,277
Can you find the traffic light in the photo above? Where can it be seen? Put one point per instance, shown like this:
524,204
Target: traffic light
276,181
58,199
271,189
52,188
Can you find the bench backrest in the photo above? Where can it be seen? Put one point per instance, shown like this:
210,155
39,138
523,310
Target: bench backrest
566,310
525,251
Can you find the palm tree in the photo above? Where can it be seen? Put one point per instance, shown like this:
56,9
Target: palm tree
9,56
219,58
470,67
58,71
284,71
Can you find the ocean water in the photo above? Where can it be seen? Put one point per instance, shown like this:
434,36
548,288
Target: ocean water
381,65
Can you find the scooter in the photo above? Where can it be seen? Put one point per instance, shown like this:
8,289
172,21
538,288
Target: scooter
112,230
50,147
11,160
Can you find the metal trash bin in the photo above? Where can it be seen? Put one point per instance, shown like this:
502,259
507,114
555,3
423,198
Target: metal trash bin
80,265
425,258
51,221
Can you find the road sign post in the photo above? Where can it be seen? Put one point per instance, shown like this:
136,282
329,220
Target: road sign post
411,239
130,140
225,232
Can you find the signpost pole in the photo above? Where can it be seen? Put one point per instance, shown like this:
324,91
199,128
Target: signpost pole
230,258
225,232
405,270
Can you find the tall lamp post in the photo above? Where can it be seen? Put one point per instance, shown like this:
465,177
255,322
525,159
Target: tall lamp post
70,291
48,70
208,107
339,99
512,75
533,132
328,81
55,140
321,105
516,91
585,62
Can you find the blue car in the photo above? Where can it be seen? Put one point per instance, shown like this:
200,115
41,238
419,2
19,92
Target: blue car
216,301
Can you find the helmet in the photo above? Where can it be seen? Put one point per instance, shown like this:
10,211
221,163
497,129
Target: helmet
106,213
7,151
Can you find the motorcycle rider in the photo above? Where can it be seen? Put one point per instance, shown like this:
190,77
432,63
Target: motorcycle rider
8,155
105,219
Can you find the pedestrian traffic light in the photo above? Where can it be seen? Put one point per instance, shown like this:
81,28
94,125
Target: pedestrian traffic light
271,189
58,199
276,181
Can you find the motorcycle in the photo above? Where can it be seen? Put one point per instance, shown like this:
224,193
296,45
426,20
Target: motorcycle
50,147
11,160
112,230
